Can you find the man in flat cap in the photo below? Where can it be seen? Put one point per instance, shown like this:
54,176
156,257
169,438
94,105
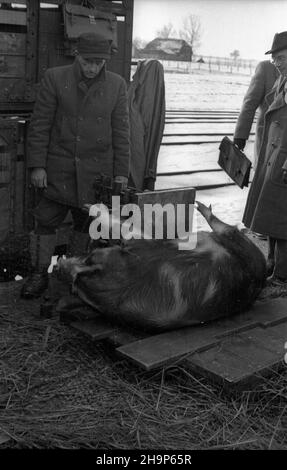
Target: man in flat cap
266,207
79,129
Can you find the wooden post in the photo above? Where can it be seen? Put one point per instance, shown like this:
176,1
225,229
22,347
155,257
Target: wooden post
33,8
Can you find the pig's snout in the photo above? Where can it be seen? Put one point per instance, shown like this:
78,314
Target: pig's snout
70,268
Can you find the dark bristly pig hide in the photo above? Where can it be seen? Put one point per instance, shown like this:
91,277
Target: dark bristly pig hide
152,285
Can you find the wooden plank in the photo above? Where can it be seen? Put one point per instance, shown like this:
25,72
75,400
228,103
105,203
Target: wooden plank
202,121
4,212
174,196
190,172
12,66
120,337
13,17
196,180
266,341
196,139
21,2
157,350
5,166
202,111
19,195
266,313
170,198
278,330
227,368
12,43
201,117
250,348
240,358
94,329
198,128
216,364
160,349
12,89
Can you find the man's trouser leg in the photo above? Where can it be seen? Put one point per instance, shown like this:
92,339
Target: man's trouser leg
42,248
48,215
280,269
79,238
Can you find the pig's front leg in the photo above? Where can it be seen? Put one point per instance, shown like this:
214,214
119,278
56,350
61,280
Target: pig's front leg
217,225
68,303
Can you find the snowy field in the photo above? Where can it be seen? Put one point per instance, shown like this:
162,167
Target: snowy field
205,90
213,92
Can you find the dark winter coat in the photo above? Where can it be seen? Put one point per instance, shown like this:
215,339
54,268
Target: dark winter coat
266,207
261,84
77,132
146,97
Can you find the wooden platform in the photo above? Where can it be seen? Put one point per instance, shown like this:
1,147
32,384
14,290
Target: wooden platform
235,352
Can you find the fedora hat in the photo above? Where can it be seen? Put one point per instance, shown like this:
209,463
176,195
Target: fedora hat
279,42
91,45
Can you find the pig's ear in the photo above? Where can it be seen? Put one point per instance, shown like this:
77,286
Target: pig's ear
98,267
91,268
84,269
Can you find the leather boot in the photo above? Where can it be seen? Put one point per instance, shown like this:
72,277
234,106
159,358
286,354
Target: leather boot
42,248
78,244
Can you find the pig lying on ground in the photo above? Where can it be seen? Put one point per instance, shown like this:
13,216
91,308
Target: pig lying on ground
151,285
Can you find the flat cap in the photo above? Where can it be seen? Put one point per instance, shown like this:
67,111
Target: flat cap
92,45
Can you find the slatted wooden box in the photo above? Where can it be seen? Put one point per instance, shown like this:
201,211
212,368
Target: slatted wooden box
32,39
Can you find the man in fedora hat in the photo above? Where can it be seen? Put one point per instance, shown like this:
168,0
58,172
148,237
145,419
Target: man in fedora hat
266,208
79,129
261,84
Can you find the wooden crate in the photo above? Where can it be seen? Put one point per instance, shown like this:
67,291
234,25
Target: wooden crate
12,176
12,65
235,352
4,212
32,39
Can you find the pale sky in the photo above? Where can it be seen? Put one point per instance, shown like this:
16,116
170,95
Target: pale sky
246,25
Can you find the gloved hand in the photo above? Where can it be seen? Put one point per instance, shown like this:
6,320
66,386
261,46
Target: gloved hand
39,177
240,143
120,184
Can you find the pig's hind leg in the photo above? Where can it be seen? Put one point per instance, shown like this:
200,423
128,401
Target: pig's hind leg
216,224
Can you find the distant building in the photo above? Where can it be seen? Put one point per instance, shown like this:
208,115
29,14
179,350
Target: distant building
165,49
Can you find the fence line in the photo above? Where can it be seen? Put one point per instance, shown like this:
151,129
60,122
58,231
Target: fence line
209,64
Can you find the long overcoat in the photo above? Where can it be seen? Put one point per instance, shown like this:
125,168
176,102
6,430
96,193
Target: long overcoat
146,96
260,86
266,207
78,131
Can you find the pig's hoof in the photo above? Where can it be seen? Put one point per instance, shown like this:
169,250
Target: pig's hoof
274,281
67,303
203,209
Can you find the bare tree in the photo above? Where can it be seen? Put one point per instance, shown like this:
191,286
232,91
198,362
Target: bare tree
166,31
192,31
139,43
235,54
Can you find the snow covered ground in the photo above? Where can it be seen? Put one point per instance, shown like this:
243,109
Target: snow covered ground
205,90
